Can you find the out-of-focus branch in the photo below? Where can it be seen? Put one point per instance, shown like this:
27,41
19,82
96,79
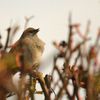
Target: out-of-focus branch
27,19
8,37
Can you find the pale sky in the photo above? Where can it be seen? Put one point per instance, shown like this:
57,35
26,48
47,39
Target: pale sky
51,16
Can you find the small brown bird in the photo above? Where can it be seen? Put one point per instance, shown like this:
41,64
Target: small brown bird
30,48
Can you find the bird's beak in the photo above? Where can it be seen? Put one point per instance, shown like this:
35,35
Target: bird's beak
36,31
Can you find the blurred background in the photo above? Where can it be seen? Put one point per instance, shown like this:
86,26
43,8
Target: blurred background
51,16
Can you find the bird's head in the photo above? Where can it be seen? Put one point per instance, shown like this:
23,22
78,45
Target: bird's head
30,32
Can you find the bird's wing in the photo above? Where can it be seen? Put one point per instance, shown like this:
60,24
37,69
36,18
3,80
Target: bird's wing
13,47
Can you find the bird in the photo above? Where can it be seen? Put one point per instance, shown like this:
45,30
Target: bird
26,55
30,46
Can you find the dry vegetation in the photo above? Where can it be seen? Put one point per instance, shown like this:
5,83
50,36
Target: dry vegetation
81,66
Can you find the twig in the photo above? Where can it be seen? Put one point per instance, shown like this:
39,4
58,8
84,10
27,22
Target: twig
7,40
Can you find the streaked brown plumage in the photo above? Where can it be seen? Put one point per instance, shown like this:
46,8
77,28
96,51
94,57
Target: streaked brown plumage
30,47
